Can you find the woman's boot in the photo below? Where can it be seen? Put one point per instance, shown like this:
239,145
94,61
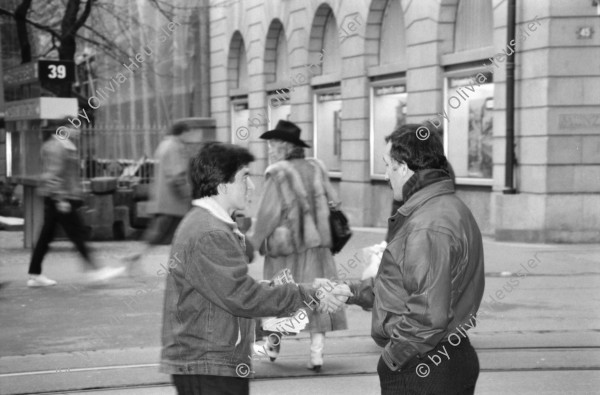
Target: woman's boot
317,342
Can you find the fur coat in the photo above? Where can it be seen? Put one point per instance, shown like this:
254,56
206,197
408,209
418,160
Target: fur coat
305,210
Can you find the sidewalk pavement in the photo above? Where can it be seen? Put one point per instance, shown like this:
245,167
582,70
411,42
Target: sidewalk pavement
74,336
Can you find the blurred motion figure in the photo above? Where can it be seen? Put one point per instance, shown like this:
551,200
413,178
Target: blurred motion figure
171,193
61,189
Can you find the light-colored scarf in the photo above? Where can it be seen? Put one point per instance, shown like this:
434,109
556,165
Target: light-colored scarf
214,208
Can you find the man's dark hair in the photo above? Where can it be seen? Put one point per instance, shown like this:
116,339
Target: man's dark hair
178,128
419,146
216,163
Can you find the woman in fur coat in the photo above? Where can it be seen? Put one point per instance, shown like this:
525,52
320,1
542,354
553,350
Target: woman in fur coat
292,226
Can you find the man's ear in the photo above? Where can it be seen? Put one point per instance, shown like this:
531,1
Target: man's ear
222,189
396,165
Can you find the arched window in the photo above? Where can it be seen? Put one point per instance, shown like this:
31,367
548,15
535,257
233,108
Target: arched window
392,43
387,76
469,94
237,73
474,25
324,75
331,45
277,75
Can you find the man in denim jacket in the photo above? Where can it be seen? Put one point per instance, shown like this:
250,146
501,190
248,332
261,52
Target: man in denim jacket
210,300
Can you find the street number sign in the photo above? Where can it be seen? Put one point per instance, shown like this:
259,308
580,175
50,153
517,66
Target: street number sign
56,71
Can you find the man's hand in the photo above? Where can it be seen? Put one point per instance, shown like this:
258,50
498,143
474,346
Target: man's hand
320,282
332,297
63,206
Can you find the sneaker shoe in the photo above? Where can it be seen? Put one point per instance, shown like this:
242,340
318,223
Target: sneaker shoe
105,273
133,258
132,264
39,280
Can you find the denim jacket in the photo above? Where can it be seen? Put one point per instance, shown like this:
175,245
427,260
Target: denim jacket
210,300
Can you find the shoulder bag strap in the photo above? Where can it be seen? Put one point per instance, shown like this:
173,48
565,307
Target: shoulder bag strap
331,195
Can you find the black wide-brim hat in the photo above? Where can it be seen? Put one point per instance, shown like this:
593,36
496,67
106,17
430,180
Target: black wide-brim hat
286,131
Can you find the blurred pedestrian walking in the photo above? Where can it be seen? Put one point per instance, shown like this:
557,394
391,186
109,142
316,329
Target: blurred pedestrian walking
61,189
171,195
292,226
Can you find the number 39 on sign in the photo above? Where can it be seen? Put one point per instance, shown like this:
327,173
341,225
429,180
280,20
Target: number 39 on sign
59,71
56,70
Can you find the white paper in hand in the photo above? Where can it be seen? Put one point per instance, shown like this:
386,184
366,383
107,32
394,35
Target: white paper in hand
373,256
293,324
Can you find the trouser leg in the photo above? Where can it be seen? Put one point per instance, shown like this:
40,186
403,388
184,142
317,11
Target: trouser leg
448,369
73,226
45,238
210,385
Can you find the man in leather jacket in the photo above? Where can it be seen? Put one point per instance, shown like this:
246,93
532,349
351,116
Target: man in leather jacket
431,278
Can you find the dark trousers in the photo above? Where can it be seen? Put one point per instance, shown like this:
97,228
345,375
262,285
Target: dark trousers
196,384
162,229
73,227
453,375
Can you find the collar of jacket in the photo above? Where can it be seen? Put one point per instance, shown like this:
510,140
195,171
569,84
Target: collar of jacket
422,186
175,138
215,209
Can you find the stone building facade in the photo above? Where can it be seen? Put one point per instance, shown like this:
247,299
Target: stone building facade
348,72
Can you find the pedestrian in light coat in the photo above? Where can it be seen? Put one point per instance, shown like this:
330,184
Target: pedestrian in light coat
295,202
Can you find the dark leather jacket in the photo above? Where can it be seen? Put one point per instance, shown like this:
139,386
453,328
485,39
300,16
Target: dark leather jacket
431,277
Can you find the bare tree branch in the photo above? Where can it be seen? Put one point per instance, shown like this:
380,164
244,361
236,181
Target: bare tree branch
105,43
166,14
32,23
84,16
20,17
70,25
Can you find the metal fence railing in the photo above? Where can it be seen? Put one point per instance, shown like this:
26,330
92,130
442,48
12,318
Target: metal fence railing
119,151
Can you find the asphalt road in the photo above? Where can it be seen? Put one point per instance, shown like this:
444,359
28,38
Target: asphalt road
540,334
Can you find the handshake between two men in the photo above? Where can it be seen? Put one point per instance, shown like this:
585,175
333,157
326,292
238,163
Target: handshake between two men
331,296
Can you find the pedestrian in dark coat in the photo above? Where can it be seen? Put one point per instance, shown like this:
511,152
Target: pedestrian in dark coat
431,278
171,196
